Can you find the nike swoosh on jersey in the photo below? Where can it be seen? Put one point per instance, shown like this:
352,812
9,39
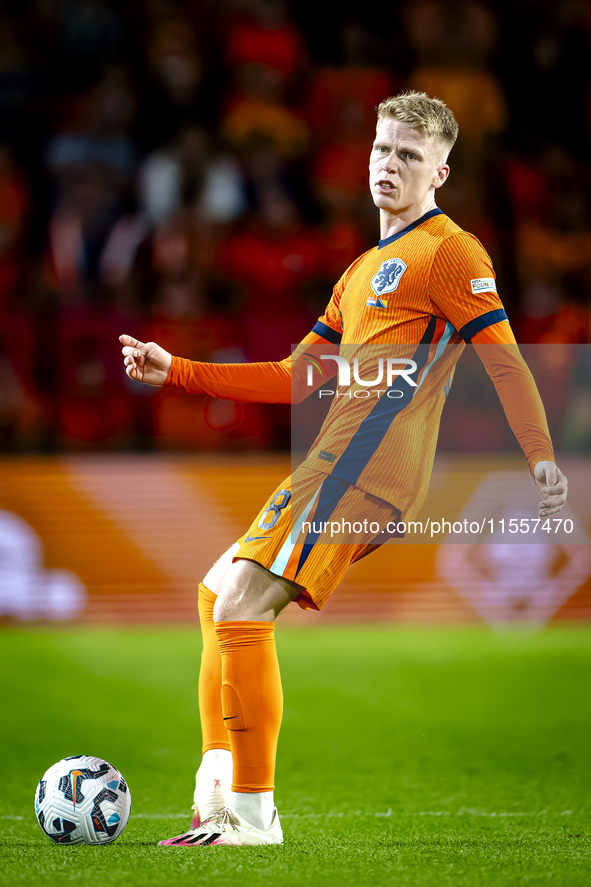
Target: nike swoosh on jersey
252,538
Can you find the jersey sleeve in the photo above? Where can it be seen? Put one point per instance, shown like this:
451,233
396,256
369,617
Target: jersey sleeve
497,334
517,391
245,382
269,382
462,286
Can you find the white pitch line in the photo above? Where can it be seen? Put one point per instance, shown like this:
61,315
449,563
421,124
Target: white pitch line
339,814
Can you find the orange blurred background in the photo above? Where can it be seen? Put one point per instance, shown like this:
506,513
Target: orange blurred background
127,539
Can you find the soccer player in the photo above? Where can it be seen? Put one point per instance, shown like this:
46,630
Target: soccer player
428,287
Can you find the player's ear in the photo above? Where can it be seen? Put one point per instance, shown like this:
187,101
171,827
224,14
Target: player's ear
441,175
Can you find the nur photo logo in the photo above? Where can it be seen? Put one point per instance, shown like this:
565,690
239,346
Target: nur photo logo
387,370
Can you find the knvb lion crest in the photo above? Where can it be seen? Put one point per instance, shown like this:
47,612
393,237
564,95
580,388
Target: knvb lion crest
386,280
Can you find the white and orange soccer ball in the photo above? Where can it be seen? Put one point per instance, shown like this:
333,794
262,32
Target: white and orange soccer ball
82,800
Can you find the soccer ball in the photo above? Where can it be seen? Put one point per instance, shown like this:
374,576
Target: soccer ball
82,800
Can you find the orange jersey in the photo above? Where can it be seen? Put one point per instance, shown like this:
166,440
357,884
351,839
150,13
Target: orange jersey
425,291
432,270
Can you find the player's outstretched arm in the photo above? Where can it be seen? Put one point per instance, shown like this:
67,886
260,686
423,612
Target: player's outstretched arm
269,382
498,350
553,486
145,361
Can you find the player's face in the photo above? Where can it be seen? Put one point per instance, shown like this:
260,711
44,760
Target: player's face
405,169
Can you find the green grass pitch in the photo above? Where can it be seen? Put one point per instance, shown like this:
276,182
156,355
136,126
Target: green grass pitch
407,756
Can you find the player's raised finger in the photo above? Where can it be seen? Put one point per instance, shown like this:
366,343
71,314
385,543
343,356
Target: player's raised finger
130,341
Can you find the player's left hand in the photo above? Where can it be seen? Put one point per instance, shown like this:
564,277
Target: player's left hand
553,486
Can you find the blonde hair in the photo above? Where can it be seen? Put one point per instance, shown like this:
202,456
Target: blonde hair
431,117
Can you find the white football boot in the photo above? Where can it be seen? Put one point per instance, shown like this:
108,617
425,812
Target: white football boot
228,828
213,784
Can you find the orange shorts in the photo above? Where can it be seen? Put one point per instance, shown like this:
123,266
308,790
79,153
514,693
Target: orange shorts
312,528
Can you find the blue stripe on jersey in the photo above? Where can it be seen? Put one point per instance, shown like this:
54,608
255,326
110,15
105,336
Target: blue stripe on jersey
481,323
288,546
331,492
327,332
447,334
411,227
364,443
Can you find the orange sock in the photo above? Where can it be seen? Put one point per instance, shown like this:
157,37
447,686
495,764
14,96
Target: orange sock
252,701
213,729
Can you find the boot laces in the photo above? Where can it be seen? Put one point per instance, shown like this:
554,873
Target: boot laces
223,818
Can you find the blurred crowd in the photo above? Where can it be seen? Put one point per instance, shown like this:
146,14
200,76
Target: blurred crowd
195,172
